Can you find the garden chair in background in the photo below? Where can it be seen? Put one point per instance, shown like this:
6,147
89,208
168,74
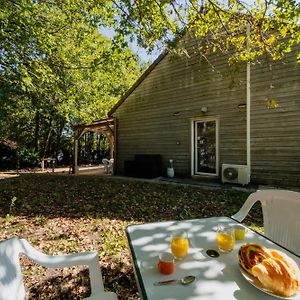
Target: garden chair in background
281,211
11,280
108,165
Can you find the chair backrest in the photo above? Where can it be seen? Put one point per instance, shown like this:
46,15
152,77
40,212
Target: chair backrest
108,165
11,279
281,211
105,161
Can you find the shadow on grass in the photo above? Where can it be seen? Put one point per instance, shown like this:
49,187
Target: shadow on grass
92,196
63,214
75,284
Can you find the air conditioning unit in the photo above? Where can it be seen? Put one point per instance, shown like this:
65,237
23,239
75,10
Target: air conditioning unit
235,174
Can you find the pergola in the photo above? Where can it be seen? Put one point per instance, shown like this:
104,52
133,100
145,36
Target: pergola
106,126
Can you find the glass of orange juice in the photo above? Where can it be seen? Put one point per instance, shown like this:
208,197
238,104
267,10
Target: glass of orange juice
225,238
179,244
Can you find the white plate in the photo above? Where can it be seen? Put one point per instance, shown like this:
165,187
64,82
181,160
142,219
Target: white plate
256,283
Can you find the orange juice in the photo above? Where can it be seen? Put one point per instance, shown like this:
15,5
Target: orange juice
240,232
179,246
225,241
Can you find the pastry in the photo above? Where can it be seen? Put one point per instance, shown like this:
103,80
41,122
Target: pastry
276,276
275,270
251,254
286,259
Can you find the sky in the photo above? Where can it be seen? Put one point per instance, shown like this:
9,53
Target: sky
142,53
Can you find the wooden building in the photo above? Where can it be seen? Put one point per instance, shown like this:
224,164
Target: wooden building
214,124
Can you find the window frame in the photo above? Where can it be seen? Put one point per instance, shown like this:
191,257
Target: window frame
194,122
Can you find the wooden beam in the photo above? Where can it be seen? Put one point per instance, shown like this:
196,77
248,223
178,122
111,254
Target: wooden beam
105,126
115,145
79,131
109,129
75,156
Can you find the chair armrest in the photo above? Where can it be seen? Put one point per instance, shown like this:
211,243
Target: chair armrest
69,260
244,210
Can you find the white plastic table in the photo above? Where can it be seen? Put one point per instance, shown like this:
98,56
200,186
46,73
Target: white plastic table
217,278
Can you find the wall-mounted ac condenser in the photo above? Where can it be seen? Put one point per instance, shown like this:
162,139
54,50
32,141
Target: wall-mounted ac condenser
235,173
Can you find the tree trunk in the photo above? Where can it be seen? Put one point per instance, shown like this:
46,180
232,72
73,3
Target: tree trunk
48,138
59,135
36,141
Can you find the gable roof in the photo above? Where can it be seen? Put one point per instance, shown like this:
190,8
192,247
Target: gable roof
138,82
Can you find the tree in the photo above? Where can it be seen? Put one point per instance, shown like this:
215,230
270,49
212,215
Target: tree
219,25
56,70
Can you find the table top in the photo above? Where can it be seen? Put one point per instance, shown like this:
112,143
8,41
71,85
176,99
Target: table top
216,278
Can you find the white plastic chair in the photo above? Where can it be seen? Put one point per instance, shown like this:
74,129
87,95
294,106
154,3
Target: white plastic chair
11,280
281,216
108,165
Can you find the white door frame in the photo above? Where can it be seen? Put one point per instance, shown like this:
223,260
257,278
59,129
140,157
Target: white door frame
193,138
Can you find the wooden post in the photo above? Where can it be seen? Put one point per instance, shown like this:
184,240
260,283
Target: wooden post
110,136
115,144
53,164
111,147
75,156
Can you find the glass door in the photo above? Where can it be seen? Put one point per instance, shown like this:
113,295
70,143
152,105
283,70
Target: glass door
205,147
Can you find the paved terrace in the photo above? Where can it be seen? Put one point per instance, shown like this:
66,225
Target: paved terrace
99,171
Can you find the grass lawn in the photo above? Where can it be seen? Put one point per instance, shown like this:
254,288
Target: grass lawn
62,214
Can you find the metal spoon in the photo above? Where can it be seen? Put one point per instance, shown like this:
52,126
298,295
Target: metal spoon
184,281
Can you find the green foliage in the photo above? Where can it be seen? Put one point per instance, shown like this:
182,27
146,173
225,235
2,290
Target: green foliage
28,157
56,70
40,220
9,218
104,144
220,25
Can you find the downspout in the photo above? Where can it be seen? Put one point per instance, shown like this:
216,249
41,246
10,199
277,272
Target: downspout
248,107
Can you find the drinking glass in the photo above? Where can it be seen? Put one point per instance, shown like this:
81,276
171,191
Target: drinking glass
225,238
240,232
166,263
179,244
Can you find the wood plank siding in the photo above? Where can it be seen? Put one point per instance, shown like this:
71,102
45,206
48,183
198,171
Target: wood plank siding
275,142
155,117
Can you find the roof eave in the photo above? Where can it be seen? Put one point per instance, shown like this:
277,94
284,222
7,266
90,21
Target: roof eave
138,82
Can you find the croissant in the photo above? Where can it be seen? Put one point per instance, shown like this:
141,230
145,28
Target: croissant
286,259
276,276
251,254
